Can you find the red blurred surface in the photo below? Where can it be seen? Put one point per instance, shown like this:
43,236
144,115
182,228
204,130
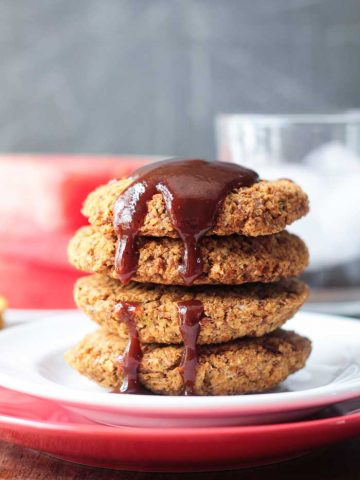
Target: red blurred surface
40,202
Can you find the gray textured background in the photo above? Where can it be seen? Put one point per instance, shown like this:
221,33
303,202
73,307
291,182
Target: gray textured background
148,76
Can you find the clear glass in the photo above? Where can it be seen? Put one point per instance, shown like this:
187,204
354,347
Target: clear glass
322,153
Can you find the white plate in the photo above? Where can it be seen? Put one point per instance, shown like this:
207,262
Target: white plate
16,316
31,361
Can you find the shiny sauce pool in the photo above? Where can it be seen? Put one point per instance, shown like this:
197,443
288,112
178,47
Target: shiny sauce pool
193,192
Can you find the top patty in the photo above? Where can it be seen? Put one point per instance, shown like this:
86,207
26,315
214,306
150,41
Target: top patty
261,209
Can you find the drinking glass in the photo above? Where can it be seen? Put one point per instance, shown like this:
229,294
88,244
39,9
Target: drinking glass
321,152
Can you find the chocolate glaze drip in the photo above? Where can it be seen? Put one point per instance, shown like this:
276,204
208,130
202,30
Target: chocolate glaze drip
193,191
130,360
190,313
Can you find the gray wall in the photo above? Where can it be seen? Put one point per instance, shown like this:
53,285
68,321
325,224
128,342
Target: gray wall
148,76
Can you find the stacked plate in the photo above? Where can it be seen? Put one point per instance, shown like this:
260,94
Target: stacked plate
46,405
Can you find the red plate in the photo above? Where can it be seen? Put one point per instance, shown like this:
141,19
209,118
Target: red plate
44,426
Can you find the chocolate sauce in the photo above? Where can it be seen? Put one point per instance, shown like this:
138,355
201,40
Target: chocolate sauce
193,191
190,313
130,360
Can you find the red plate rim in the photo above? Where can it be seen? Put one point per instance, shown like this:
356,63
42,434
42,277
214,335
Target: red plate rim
96,429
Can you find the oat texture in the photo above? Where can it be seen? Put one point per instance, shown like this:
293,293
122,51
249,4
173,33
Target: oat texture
226,260
243,366
230,312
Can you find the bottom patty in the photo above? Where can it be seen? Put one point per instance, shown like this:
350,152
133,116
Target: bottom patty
242,366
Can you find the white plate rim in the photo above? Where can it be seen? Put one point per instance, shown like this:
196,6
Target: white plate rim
322,395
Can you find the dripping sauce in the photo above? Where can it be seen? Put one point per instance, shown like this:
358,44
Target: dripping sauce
193,192
130,360
190,314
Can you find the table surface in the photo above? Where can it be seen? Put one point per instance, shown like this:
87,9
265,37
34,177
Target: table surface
337,462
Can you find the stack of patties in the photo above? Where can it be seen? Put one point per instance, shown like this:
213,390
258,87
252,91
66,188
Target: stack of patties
183,312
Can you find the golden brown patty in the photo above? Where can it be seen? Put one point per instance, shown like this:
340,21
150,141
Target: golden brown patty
229,312
262,209
226,260
243,366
